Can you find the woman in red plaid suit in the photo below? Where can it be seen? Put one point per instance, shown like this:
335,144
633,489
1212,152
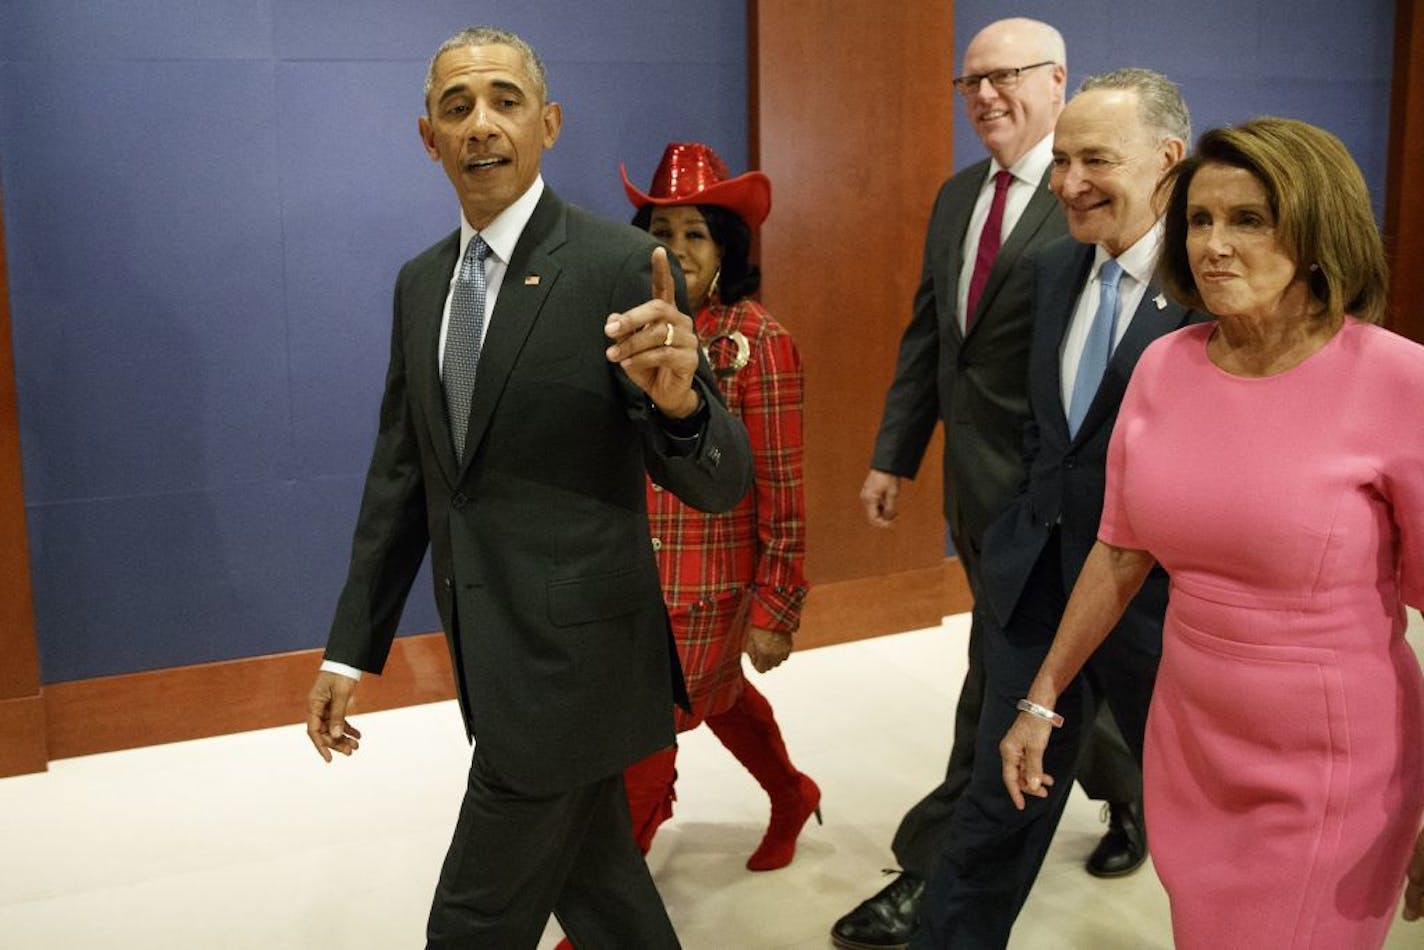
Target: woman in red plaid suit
733,582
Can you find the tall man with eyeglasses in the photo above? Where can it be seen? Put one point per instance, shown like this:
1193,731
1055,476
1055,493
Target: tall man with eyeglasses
1095,309
964,360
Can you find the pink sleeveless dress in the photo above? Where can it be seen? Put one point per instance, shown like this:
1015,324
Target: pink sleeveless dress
1285,747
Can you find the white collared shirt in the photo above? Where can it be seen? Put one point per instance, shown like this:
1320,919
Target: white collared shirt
1137,264
502,234
1028,172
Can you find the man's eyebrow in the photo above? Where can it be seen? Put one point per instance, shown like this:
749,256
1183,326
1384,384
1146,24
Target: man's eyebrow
459,89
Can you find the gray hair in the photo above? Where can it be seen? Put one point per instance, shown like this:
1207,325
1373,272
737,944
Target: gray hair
491,36
1163,109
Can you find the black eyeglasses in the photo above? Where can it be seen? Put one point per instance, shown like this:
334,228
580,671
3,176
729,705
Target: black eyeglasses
999,78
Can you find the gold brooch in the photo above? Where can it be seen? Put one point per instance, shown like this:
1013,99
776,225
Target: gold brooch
742,357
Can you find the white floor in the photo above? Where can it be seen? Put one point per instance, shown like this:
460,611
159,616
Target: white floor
250,841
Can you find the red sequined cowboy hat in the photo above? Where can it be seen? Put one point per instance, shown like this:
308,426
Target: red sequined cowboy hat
690,173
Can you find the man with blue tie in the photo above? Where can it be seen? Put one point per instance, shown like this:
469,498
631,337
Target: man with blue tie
963,362
1095,309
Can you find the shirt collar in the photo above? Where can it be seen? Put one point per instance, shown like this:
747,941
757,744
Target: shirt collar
504,231
1032,165
1137,261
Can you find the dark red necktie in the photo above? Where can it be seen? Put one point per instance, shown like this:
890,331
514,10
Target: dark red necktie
988,244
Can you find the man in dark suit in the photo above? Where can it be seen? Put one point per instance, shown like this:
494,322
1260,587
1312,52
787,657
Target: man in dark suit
517,454
1095,309
964,360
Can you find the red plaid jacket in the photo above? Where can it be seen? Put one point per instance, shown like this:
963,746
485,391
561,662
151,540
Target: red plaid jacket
723,573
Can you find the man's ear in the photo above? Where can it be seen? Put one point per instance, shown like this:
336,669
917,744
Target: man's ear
1173,151
553,123
427,137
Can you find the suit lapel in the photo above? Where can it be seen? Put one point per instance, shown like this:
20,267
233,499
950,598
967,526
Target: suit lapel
1039,207
515,311
957,224
426,311
1149,322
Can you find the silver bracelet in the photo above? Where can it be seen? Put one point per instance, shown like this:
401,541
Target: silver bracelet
1042,712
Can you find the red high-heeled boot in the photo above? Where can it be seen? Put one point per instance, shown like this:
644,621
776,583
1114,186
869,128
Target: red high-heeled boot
749,731
649,786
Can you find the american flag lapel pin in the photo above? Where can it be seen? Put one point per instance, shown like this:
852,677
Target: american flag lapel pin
1160,300
532,280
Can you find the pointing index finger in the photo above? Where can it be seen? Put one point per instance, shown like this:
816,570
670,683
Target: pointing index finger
662,276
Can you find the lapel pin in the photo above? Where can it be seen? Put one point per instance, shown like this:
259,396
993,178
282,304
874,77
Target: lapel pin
1161,301
532,280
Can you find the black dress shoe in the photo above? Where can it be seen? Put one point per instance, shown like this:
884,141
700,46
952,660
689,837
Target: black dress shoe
1124,847
886,921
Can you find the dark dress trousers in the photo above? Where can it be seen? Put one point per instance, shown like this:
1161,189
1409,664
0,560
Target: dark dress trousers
544,578
1033,553
976,383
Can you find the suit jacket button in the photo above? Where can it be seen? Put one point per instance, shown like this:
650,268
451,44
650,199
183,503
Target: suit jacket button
459,500
1070,461
657,487
447,583
657,544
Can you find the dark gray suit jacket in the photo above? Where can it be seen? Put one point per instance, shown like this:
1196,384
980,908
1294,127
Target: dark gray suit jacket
977,382
1066,476
544,573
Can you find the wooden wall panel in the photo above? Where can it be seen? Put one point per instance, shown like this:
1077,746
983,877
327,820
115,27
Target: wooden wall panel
109,713
851,111
1404,194
22,736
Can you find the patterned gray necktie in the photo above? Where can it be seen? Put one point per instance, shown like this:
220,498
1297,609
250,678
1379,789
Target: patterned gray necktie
462,340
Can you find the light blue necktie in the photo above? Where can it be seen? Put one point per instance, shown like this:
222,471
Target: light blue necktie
462,340
1098,348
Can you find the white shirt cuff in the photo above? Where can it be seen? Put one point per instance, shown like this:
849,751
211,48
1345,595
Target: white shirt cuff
350,672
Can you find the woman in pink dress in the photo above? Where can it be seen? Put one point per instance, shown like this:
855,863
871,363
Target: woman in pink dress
1273,462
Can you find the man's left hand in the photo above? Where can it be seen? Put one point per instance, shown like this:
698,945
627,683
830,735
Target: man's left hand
767,650
657,345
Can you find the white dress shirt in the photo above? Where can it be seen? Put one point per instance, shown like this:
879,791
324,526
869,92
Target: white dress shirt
1137,264
1028,171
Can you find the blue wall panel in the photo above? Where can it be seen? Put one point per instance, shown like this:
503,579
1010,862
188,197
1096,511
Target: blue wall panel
152,267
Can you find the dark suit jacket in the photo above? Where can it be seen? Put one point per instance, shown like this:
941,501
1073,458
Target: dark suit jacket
976,382
1066,477
544,573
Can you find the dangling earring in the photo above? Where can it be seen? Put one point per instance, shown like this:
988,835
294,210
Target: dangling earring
712,287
